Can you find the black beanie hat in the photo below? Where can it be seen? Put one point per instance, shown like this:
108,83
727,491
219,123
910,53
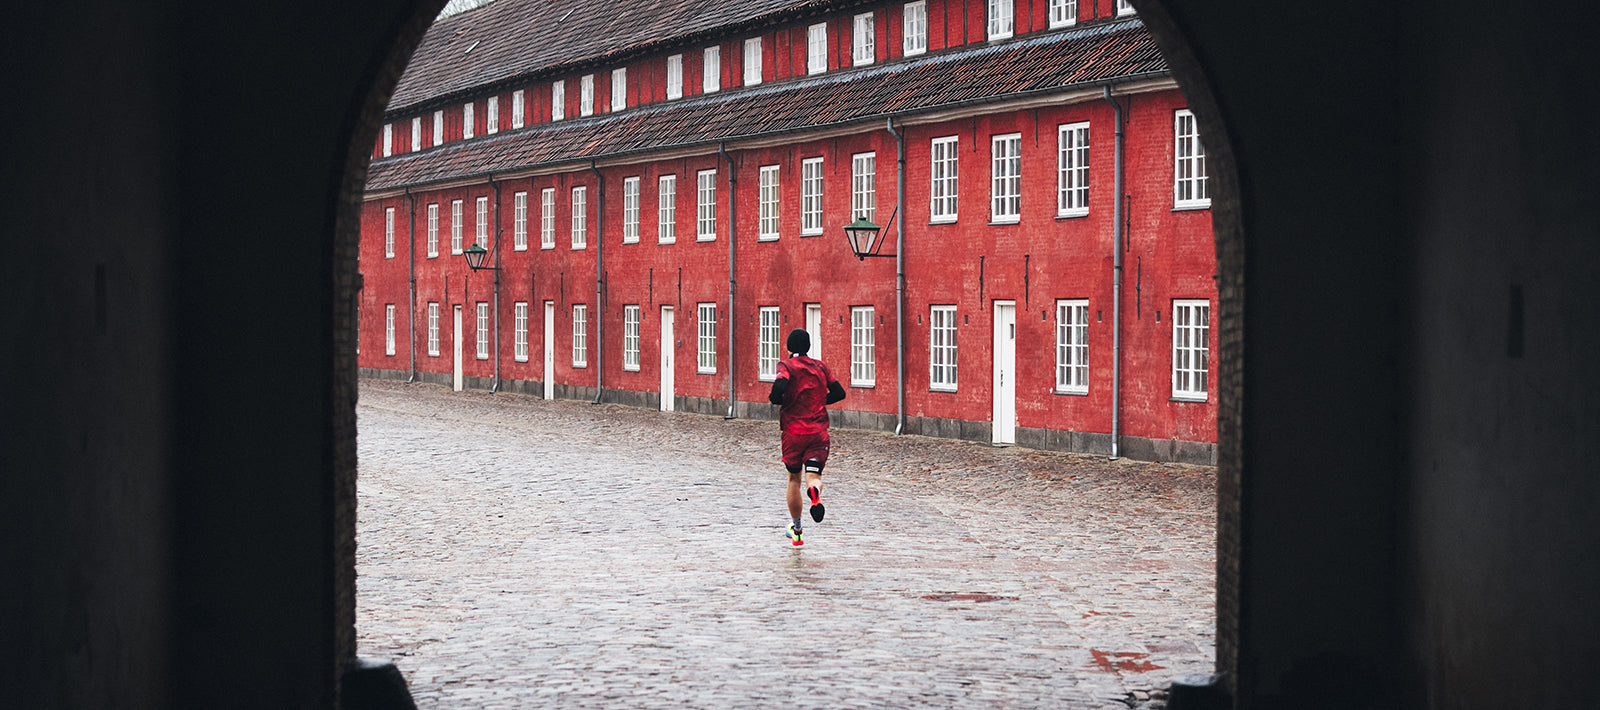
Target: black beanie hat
799,341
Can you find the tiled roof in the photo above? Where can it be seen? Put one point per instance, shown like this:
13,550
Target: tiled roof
1051,62
512,38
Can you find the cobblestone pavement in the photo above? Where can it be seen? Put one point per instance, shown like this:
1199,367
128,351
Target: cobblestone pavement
518,553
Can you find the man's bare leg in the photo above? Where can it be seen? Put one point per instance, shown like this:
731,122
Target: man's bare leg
793,496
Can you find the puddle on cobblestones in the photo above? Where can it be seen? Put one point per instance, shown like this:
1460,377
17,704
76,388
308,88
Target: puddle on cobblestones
1128,661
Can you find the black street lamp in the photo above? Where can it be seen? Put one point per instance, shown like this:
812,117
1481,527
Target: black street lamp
866,238
475,255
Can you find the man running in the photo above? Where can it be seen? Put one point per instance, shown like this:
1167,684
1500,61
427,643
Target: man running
803,388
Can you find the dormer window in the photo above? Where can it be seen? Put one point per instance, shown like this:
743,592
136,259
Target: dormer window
586,95
817,48
558,99
675,77
619,89
752,61
711,70
1000,19
863,43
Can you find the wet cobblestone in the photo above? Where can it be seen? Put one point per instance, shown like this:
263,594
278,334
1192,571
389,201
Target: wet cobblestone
518,553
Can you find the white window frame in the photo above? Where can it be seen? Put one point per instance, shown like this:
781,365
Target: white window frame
1191,349
863,347
433,329
519,107
388,139
914,28
433,230
619,88
438,127
863,40
416,134
1063,13
811,184
711,70
667,209
547,218
752,61
767,354
1125,8
630,210
630,338
942,349
580,217
817,48
1005,178
388,329
466,120
519,221
455,227
482,224
580,335
1072,169
492,116
1072,346
1002,19
558,99
675,77
767,222
388,232
586,95
864,186
483,330
705,223
1190,187
706,347
944,179
519,331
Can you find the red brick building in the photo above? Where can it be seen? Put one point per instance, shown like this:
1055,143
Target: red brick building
666,200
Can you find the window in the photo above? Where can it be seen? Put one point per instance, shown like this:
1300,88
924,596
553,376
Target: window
943,169
863,44
863,187
630,338
483,330
519,221
711,70
1006,179
416,134
433,329
863,355
1072,182
675,77
580,335
547,218
558,99
492,116
767,354
914,29
518,108
519,331
1000,19
817,48
433,230
455,227
388,329
706,363
767,228
667,210
811,196
1190,322
466,121
705,229
752,61
388,233
483,222
388,139
1063,13
586,95
580,217
438,127
630,210
619,88
1124,8
1072,347
942,349
1189,172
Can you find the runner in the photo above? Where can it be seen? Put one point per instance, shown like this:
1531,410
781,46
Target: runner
803,388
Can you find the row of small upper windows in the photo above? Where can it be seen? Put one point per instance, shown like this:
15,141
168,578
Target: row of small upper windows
864,50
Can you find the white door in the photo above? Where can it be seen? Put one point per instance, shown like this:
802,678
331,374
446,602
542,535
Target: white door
549,350
667,359
1005,372
456,343
814,328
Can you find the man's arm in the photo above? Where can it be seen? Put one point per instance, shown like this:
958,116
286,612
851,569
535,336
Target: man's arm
779,386
835,392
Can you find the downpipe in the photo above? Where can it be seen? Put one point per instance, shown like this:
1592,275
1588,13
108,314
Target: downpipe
899,280
733,211
496,307
411,268
1116,283
599,282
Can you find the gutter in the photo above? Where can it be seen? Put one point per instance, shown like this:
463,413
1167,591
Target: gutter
1116,284
899,281
733,211
599,282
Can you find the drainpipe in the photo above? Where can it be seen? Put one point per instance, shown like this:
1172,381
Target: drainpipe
1116,285
899,280
411,303
733,211
599,282
496,307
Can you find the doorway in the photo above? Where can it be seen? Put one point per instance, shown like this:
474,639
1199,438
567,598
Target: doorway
549,350
667,340
1005,374
814,328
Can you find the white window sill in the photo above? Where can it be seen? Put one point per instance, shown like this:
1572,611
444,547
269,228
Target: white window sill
580,366
705,372
711,238
434,255
864,385
483,357
1005,221
1076,393
626,368
941,220
389,354
455,252
767,378
1073,214
635,240
579,247
1059,25
942,389
1197,398
767,238
667,241
433,354
997,38
814,233
1193,205
524,358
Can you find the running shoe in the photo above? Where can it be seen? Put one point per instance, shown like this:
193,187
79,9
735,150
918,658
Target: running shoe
794,535
816,503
